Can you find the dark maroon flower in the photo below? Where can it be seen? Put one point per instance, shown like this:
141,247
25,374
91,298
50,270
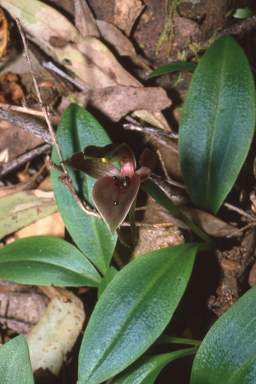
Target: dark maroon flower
115,192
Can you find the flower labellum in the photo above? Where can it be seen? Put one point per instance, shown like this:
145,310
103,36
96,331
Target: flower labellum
115,192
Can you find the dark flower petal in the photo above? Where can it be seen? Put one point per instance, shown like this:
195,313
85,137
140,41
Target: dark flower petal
93,167
113,200
148,163
111,152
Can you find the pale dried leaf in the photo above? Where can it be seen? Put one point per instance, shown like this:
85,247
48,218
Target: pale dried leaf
56,333
51,225
126,13
84,19
23,208
156,119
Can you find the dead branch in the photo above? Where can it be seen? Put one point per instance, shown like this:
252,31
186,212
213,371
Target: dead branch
23,159
33,128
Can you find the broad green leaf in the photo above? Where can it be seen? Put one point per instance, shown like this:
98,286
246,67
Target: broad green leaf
217,123
172,67
23,208
15,364
243,13
146,369
228,352
133,311
78,129
109,276
46,260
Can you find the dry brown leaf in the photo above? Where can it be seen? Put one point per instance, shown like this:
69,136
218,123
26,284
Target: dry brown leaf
84,19
116,38
4,34
20,311
51,225
16,141
116,102
11,91
126,13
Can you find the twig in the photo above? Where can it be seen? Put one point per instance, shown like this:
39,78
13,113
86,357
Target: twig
240,211
33,128
17,108
54,68
65,179
235,29
40,98
23,159
150,131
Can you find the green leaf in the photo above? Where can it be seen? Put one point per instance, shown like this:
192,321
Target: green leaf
217,123
77,129
133,311
23,208
228,352
172,67
46,260
163,339
146,369
109,276
15,364
243,13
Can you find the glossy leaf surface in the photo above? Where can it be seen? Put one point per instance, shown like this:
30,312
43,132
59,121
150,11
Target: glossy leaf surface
172,67
217,123
146,369
15,364
46,260
228,352
109,276
77,129
133,311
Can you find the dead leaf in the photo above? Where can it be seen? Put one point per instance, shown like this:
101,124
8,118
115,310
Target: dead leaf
116,38
205,221
84,19
126,13
23,208
56,333
4,34
20,311
185,27
51,225
116,102
156,119
11,91
16,141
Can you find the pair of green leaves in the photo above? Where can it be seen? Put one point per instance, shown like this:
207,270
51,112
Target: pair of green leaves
227,354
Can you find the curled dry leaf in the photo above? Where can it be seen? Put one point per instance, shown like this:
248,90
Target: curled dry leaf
126,13
205,221
56,333
84,19
4,34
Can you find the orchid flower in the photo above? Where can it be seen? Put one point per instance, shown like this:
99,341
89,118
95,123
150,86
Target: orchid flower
115,192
